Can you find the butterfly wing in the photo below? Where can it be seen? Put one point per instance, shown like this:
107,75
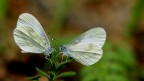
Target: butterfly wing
26,19
29,35
86,48
86,58
94,36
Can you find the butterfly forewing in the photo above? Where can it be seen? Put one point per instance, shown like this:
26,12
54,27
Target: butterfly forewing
30,36
91,40
26,19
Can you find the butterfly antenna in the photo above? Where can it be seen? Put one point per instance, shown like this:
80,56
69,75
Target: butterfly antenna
52,39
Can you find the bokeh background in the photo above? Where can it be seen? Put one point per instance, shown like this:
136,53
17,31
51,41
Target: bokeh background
63,20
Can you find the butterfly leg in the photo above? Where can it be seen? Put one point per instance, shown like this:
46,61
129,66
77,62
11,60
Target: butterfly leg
62,57
67,58
47,57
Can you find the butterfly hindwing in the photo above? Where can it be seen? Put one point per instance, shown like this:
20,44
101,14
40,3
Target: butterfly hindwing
28,40
86,58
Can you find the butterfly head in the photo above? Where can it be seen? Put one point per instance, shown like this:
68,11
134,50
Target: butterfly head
49,51
64,49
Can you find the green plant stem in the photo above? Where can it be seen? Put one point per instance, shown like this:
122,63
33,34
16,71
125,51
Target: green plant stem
55,66
53,60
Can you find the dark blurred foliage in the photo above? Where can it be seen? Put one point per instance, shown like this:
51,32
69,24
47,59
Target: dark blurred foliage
26,68
123,21
117,64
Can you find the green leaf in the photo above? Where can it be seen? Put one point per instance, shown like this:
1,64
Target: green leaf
52,74
66,74
42,73
33,78
53,66
63,64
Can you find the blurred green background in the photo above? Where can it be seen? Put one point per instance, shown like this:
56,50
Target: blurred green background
123,20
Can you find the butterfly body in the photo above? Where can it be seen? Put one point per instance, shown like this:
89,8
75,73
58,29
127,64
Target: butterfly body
49,51
65,50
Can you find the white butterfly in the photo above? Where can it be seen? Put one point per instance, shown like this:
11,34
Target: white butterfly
30,36
87,48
